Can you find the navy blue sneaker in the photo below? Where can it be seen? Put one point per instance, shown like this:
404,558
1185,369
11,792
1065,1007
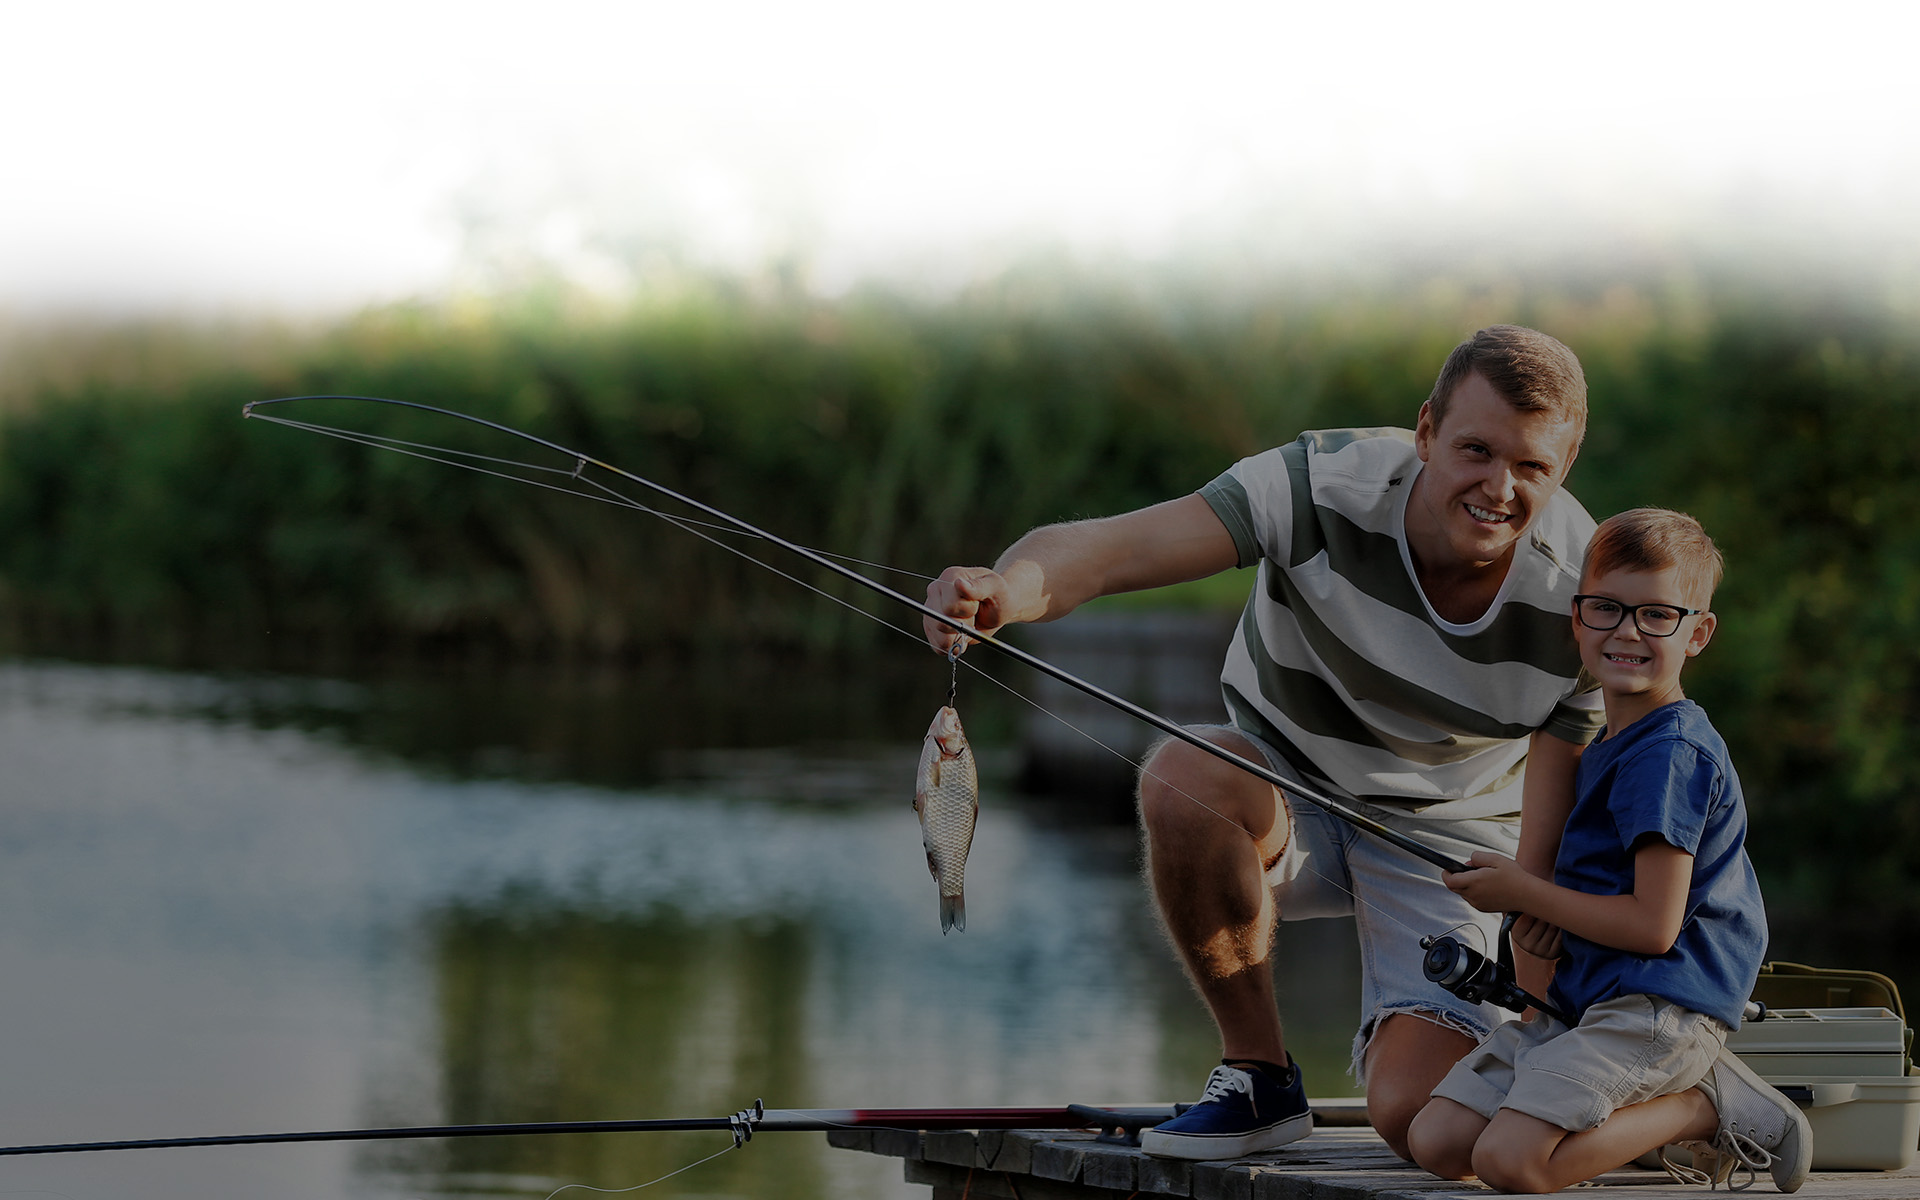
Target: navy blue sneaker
1242,1112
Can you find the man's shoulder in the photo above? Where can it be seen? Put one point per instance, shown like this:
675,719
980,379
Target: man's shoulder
1356,450
1368,462
1561,532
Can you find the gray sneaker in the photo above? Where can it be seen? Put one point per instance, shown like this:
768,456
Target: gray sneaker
1760,1129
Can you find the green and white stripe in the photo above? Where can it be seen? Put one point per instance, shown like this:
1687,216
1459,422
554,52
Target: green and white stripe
1340,662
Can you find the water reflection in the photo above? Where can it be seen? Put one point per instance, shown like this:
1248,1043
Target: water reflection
243,904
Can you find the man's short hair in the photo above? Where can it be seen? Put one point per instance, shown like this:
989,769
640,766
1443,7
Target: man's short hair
1531,371
1654,539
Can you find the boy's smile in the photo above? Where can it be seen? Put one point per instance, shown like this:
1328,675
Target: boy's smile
1638,672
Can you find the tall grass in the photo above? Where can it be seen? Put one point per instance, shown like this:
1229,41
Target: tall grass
141,513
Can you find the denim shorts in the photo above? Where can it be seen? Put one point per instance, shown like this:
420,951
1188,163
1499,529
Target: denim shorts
1623,1051
1329,868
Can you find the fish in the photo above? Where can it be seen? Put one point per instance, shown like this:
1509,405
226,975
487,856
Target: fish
947,797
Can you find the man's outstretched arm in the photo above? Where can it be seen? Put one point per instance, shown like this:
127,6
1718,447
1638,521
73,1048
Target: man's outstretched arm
1057,568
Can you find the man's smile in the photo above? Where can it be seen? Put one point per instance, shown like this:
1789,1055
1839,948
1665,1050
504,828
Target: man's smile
1488,516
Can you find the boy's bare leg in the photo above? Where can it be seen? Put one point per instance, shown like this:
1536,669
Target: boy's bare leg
1441,1138
1519,1153
1210,830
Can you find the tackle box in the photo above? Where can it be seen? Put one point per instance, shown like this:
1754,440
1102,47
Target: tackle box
1837,1043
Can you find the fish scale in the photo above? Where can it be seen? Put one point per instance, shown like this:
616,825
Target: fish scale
947,797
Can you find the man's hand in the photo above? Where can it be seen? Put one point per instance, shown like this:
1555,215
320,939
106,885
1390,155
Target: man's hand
975,596
1497,884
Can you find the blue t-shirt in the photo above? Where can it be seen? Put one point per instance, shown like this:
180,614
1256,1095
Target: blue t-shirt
1667,774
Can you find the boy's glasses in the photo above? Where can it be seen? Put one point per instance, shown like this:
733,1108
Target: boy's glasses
1653,620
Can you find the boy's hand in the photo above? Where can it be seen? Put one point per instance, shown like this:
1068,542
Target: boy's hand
1536,937
1494,885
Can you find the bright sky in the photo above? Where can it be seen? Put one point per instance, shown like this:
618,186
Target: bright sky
218,154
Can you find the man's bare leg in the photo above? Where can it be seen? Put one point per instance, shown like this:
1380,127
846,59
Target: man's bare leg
1406,1057
1210,830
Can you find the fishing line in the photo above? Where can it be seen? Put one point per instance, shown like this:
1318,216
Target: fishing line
649,1183
1339,809
706,532
430,453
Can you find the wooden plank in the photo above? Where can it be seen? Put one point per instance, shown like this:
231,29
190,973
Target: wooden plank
1110,1166
957,1147
851,1139
1332,1164
1221,1181
1060,1160
1009,1150
1169,1176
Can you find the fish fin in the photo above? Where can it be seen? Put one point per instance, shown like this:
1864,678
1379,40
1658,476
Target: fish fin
953,912
933,772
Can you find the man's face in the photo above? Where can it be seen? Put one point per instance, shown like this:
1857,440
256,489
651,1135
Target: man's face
1490,470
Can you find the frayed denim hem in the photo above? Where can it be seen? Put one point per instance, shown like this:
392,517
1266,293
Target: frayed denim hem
1447,1018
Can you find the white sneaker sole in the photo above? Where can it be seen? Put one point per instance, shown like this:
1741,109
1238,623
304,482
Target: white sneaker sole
1201,1147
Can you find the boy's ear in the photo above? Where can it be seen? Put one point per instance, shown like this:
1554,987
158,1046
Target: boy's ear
1701,635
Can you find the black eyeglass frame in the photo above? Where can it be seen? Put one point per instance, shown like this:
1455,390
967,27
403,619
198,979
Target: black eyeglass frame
1632,610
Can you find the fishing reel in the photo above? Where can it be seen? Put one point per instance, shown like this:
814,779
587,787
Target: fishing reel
1475,978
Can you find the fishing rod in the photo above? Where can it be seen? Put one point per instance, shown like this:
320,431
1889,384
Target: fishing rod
1448,962
1261,771
742,1125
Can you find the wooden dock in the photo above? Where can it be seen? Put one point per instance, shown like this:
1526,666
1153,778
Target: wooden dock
1343,1162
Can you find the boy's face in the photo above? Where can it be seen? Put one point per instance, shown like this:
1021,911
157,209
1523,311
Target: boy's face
1627,662
1490,470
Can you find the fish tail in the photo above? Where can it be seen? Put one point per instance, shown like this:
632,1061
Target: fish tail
953,912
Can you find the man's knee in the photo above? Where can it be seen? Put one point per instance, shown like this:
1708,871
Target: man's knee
1406,1058
1187,792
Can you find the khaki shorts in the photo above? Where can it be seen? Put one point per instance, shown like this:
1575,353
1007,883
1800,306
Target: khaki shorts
1623,1051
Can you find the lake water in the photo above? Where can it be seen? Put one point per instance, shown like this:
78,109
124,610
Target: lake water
238,903
247,903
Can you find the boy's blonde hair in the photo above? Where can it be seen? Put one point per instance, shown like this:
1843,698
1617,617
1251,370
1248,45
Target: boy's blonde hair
1529,370
1654,539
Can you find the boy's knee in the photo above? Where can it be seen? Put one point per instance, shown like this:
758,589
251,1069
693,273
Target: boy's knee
1436,1148
1503,1172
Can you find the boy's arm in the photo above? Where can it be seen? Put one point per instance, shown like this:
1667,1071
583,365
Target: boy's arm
1644,921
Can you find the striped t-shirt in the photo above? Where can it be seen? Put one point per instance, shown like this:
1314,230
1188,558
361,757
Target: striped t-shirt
1341,664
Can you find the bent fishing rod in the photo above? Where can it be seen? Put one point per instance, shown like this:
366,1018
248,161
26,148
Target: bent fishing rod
1261,771
742,1125
1449,962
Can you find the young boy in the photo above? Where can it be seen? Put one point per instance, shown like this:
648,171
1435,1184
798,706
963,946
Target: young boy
1657,907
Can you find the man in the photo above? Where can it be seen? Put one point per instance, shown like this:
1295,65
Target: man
1405,650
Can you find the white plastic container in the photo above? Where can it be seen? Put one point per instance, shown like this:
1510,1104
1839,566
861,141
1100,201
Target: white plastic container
1864,1123
1823,1041
1847,1068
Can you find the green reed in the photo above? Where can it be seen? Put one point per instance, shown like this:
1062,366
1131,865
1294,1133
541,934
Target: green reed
143,516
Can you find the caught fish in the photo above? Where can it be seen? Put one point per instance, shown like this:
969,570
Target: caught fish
947,797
